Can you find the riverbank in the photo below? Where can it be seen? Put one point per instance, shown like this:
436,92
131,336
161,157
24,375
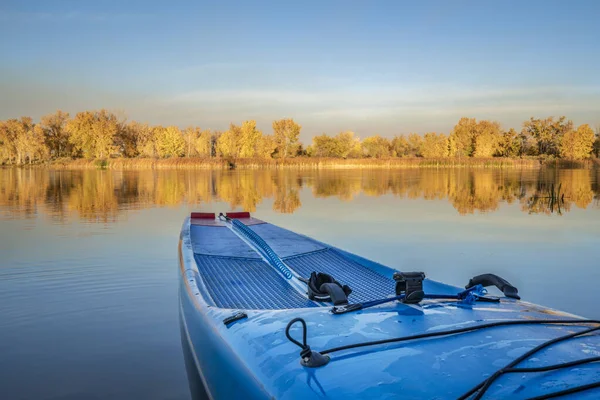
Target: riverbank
310,163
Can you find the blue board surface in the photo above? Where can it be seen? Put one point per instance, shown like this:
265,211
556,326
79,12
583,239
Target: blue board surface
252,358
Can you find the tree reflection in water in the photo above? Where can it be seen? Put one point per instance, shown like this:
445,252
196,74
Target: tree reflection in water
103,196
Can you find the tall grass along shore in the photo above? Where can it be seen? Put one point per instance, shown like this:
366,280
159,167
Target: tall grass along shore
312,163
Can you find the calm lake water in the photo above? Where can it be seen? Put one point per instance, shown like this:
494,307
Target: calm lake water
88,259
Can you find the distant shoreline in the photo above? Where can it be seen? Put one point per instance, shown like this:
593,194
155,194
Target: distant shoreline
309,163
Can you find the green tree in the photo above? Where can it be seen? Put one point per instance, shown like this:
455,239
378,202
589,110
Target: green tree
170,142
376,147
577,144
286,133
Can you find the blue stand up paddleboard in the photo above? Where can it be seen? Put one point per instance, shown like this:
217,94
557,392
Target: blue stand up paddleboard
270,314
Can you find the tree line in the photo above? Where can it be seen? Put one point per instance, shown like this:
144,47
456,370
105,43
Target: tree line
102,134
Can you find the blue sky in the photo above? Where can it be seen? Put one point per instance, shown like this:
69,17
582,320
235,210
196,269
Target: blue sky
380,67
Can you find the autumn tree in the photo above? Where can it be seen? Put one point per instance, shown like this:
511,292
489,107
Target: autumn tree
228,143
509,144
22,141
250,137
266,146
126,141
190,135
144,138
376,147
56,135
597,142
462,138
548,133
9,133
170,142
471,138
342,145
286,133
93,133
34,144
577,144
5,153
435,146
487,138
415,144
203,144
399,146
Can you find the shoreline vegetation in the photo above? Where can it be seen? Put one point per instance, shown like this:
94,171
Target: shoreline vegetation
314,163
102,139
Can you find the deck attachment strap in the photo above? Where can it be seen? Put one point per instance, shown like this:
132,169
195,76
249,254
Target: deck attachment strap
311,359
235,317
494,280
324,287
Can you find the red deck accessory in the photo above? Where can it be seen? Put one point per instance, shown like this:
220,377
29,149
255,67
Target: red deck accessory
237,215
203,215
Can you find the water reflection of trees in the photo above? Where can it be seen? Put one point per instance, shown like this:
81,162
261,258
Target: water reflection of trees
103,195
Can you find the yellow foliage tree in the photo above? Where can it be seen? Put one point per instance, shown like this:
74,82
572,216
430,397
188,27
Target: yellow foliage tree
144,137
93,133
56,136
170,142
399,146
228,143
250,137
462,138
415,144
547,133
509,144
376,147
190,135
578,144
340,146
22,141
487,139
266,146
435,146
286,133
203,144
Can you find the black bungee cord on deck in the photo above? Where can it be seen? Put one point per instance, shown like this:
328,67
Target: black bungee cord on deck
481,388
